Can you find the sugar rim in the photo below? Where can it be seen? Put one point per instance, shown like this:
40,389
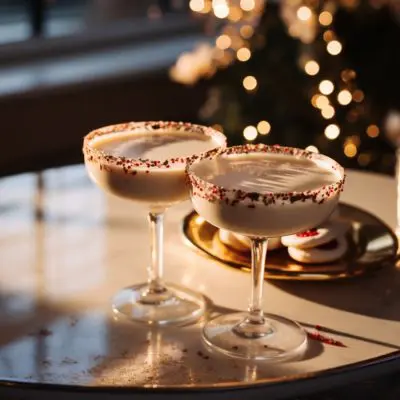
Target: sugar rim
162,127
212,192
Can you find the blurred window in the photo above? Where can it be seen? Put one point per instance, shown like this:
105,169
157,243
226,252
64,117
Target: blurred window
24,19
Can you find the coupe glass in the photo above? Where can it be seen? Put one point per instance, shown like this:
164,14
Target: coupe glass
220,197
158,184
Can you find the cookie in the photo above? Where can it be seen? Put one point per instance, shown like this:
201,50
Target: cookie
273,243
326,253
311,238
242,243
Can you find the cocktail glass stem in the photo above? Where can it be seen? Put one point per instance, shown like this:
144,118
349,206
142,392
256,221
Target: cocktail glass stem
156,292
255,325
156,267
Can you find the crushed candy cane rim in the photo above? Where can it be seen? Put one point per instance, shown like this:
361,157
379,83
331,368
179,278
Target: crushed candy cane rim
127,164
213,192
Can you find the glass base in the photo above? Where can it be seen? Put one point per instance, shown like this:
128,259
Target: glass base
277,339
172,306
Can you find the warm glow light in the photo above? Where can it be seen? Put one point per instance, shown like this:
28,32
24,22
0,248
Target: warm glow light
312,149
246,31
373,131
358,96
325,18
364,159
344,97
235,13
223,42
264,127
347,75
328,35
243,54
332,132
304,13
218,127
250,132
249,82
196,5
350,150
334,47
247,5
326,87
311,67
221,9
321,102
328,112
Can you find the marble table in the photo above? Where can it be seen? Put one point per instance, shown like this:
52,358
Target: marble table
65,249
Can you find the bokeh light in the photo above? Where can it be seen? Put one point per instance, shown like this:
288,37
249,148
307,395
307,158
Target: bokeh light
344,97
334,47
264,127
250,132
247,5
243,54
312,149
250,82
332,132
311,68
325,18
373,131
350,150
328,112
304,13
326,87
223,42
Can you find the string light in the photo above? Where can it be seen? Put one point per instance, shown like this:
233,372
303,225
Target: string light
326,87
243,54
235,14
223,42
344,97
304,13
328,35
328,112
311,67
196,5
321,102
325,18
312,149
332,132
347,75
358,96
221,9
250,83
246,31
334,47
364,159
250,132
264,127
373,131
247,5
350,150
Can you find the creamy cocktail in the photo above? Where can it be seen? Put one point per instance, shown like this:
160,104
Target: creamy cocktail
262,191
145,162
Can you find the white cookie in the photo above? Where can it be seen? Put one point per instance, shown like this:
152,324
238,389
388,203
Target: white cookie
327,232
229,239
273,243
243,243
319,255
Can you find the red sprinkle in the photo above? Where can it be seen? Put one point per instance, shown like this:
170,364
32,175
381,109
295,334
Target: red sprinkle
325,339
309,233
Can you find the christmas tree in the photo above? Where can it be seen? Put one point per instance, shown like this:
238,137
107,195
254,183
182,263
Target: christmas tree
316,74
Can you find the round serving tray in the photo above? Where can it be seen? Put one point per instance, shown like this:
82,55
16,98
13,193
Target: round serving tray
372,245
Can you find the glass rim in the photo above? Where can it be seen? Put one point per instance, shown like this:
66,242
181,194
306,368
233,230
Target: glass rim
162,127
212,192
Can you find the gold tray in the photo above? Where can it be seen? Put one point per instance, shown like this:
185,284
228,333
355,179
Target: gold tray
372,245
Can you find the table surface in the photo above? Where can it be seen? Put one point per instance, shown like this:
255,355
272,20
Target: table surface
58,273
